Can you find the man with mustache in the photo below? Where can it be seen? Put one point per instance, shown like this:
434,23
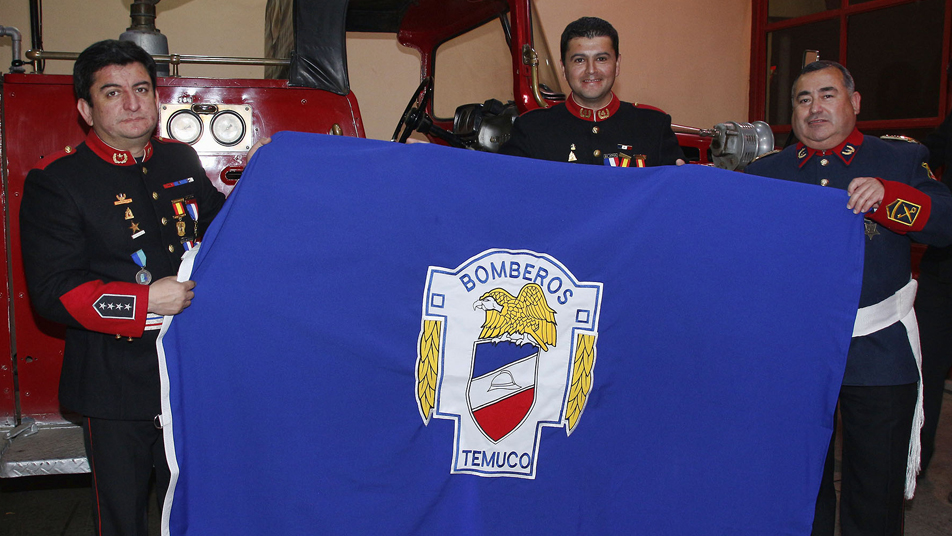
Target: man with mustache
103,227
593,126
889,182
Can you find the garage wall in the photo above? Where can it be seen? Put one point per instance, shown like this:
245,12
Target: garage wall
689,57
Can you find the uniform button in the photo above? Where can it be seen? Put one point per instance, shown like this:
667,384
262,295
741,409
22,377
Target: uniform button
171,248
155,195
824,162
145,171
165,221
597,153
594,130
824,182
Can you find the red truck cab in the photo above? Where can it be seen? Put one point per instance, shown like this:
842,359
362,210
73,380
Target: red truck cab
308,91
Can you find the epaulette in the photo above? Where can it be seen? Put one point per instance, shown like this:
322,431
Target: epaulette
647,107
160,139
768,153
50,158
894,137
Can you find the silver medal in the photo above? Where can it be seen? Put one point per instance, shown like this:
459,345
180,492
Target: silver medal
143,277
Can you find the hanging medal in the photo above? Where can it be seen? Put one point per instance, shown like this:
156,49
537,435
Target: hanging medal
178,208
178,211
191,205
143,276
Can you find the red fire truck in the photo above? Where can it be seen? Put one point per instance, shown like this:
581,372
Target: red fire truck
307,90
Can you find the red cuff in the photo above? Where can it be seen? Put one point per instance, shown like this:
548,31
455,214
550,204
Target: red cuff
904,209
118,307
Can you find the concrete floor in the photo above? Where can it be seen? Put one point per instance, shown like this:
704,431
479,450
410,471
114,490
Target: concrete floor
58,505
61,505
930,512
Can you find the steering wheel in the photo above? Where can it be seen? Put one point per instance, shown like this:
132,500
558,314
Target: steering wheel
415,112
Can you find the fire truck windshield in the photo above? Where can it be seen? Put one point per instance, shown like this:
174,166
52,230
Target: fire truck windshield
548,72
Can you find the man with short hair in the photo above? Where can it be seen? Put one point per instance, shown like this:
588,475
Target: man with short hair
593,126
888,181
103,227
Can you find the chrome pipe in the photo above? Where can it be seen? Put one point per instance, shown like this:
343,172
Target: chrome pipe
173,59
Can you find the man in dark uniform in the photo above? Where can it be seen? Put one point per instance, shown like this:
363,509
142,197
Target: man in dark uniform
934,305
103,228
592,126
889,181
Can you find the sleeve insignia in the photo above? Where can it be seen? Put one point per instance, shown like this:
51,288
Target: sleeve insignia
898,138
929,171
902,211
116,306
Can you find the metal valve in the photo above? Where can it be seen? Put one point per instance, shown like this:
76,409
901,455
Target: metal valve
737,144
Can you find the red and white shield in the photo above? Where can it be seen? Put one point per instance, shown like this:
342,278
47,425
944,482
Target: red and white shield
501,388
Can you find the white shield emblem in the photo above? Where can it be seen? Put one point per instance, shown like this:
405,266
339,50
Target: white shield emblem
507,346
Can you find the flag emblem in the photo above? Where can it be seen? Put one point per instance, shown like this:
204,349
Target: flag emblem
506,347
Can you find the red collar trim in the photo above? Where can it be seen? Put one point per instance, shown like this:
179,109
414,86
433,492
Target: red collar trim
111,154
590,114
846,150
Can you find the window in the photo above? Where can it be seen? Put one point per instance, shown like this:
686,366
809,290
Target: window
897,50
472,68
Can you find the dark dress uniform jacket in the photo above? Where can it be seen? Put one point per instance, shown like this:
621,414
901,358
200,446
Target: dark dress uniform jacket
568,132
86,212
884,357
937,262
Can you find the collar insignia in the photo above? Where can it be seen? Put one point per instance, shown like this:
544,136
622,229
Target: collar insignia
590,114
111,154
846,150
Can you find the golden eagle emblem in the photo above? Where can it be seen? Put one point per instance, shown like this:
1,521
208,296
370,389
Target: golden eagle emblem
522,319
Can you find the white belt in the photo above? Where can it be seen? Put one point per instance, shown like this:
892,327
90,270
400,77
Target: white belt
899,308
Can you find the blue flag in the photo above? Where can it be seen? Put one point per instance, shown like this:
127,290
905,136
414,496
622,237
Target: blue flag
393,339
